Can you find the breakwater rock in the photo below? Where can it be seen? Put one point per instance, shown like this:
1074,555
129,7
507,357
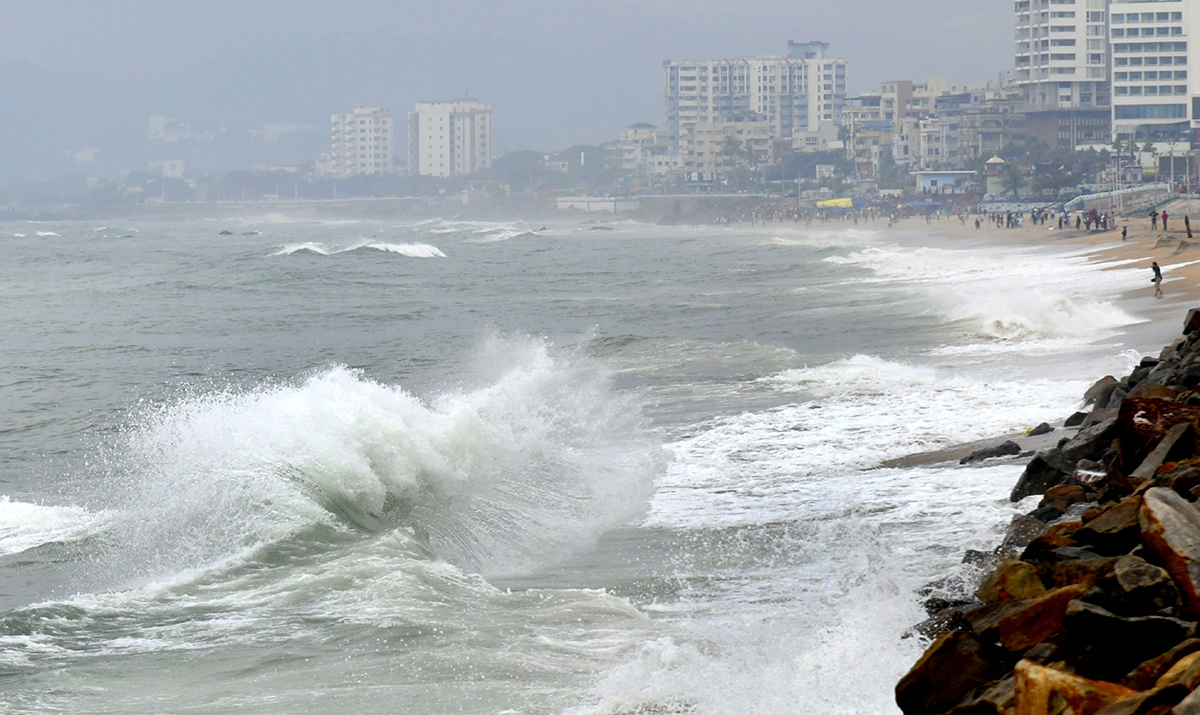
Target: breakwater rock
1093,604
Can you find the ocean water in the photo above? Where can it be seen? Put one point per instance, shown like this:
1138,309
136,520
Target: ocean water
445,466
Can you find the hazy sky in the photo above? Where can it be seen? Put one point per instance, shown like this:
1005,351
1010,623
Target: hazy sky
253,82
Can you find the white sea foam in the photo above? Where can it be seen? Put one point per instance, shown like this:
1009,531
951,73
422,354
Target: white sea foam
411,250
25,526
856,413
47,234
495,235
517,472
1006,295
849,238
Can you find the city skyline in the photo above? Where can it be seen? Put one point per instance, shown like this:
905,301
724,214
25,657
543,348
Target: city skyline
259,83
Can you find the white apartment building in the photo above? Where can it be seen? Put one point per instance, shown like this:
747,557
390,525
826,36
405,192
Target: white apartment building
452,138
1155,69
1062,57
793,93
712,149
363,142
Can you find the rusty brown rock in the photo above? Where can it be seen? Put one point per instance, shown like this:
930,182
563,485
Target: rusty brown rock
951,668
1019,625
1171,529
1180,434
1145,675
1084,572
1062,496
1045,691
1114,531
1011,580
1055,537
1186,672
996,700
1152,390
1142,424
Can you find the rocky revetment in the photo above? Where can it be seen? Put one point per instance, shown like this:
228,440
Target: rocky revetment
1091,604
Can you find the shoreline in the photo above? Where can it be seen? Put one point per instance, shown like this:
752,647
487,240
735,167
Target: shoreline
1093,598
1181,287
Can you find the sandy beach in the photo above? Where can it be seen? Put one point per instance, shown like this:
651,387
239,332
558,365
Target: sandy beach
1176,254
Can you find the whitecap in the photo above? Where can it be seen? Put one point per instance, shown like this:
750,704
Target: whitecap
24,526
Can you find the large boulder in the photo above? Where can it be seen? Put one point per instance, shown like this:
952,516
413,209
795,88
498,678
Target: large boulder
1179,437
1108,646
1086,571
1099,393
1189,705
1115,531
1064,496
1042,473
1011,580
1152,702
1141,588
1053,466
953,667
1020,625
1143,423
1171,530
1046,691
1148,673
1007,449
1192,321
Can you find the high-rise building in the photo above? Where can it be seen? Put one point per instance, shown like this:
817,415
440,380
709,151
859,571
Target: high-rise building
451,138
794,93
363,142
1062,54
1063,69
1156,70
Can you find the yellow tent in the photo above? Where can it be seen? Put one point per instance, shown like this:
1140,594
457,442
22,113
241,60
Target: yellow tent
836,204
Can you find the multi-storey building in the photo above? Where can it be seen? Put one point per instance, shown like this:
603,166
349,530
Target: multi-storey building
363,142
713,149
1155,66
1063,69
793,93
1062,54
452,138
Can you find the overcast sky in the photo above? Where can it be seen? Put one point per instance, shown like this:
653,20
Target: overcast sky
255,81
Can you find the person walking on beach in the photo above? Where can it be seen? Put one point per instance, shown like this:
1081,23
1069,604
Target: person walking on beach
1153,220
1157,279
1164,220
1187,224
1124,232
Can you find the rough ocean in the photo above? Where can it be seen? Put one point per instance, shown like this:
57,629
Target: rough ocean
443,466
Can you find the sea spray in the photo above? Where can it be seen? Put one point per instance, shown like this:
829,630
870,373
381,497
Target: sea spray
502,477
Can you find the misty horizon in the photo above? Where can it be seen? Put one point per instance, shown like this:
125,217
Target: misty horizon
246,86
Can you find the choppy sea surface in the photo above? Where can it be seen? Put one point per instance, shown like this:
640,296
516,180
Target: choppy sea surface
443,466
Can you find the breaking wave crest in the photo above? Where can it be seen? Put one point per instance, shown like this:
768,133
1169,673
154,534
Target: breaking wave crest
1008,296
504,477
412,250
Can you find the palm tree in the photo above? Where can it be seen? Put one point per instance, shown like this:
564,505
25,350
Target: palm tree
1012,178
735,150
